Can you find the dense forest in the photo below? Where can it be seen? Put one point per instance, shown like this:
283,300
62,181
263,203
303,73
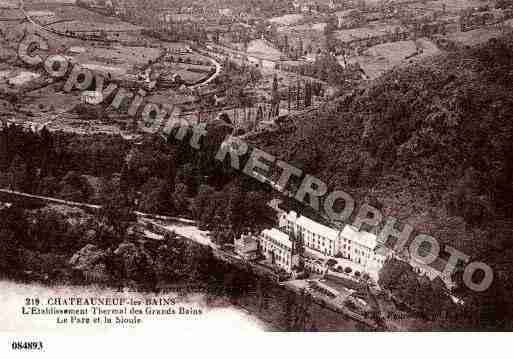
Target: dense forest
61,244
157,176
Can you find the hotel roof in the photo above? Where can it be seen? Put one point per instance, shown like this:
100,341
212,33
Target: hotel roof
278,236
313,226
364,238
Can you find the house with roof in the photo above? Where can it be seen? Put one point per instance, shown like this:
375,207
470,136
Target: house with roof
279,248
246,246
434,270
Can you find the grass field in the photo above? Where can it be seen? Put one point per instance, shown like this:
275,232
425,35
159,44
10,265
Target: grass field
473,37
287,20
69,12
457,5
371,29
380,58
86,26
49,99
75,18
9,4
318,26
123,57
198,71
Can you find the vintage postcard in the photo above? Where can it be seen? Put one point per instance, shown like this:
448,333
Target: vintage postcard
264,165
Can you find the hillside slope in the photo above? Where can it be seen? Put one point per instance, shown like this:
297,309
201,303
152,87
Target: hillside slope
431,143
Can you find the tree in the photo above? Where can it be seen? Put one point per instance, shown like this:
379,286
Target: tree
275,94
301,48
329,32
391,273
180,198
48,186
9,253
137,264
236,214
308,94
255,208
331,25
224,236
188,175
17,174
75,187
332,262
117,210
201,203
157,197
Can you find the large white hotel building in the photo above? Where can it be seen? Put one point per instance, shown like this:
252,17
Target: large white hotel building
359,250
357,246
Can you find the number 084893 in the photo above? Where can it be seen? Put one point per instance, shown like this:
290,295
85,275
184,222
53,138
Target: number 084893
27,346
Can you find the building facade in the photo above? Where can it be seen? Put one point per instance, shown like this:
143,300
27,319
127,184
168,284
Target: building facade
246,246
434,270
279,249
314,235
359,247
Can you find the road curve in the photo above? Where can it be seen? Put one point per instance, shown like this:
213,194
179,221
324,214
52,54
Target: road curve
7,195
50,30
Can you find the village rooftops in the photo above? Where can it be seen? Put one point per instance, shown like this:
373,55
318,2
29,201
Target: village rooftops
246,239
362,237
435,267
434,270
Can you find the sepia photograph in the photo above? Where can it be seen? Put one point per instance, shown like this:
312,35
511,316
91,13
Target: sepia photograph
299,166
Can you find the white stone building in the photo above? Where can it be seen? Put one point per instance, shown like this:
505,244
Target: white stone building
358,247
246,246
314,235
279,248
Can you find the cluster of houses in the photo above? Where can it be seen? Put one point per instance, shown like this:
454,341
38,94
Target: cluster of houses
299,239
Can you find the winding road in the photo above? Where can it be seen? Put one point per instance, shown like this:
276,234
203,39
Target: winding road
48,29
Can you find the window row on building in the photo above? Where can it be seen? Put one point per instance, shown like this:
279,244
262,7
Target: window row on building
357,246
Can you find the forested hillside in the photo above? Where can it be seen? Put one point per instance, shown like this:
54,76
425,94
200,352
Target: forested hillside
431,144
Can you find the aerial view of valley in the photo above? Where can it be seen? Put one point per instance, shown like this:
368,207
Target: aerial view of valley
256,166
